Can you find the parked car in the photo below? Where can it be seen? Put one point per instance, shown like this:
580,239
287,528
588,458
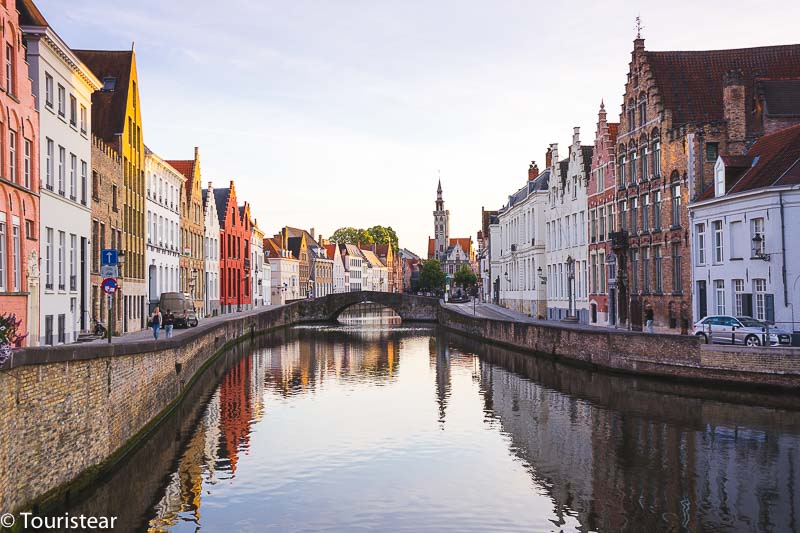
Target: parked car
181,306
724,329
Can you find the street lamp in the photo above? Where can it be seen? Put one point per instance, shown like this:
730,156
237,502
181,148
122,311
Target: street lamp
571,288
310,288
541,277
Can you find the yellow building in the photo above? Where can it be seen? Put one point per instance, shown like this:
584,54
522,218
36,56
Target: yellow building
117,120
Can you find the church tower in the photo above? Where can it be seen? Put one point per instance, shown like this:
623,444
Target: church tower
441,220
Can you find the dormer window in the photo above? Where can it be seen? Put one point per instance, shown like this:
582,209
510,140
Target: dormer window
719,178
109,83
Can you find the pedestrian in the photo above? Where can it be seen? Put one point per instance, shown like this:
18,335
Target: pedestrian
169,322
648,316
156,322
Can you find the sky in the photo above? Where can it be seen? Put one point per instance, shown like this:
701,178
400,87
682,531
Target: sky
346,113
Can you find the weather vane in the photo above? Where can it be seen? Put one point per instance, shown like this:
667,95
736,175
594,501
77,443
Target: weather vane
639,27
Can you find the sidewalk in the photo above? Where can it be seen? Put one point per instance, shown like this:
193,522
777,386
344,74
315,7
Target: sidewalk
147,333
492,311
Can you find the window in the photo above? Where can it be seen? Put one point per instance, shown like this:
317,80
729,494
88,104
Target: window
657,210
738,297
757,237
84,119
602,273
49,169
73,110
646,212
764,307
642,113
677,280
12,155
2,254
62,237
73,262
718,243
719,180
719,296
634,271
712,152
26,170
623,213
84,180
621,167
700,230
659,279
643,159
73,176
48,329
95,185
676,205
62,322
610,218
114,204
634,167
593,275
48,90
634,212
592,226
48,258
646,269
62,162
17,259
601,219
62,95
657,159
109,83
10,69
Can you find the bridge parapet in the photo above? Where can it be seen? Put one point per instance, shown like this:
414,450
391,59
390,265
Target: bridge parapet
408,306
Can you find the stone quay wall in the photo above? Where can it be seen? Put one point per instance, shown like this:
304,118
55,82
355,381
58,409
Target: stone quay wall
661,355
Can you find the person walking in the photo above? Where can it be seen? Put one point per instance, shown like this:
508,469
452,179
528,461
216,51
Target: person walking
156,320
169,322
648,316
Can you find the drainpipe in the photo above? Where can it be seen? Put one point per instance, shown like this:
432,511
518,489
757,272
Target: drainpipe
783,255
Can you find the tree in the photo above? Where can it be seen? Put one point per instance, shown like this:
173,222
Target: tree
465,277
384,235
431,276
351,235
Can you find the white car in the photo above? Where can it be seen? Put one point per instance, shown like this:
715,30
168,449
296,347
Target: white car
725,329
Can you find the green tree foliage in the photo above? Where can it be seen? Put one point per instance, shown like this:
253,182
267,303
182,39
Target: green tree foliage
373,235
465,277
431,276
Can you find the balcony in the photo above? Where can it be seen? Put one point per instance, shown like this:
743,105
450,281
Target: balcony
619,239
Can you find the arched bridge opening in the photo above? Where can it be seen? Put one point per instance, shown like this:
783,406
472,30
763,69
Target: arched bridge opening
368,313
409,307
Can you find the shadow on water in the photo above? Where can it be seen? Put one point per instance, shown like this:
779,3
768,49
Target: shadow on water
601,452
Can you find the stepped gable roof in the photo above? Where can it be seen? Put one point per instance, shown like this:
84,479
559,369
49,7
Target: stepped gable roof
691,82
773,160
221,201
109,108
782,97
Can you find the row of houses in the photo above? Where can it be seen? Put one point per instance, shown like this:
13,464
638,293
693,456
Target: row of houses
681,208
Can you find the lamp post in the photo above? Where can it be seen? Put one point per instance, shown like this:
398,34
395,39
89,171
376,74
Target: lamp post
571,317
541,305
310,288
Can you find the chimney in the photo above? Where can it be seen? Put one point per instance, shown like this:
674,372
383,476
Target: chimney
196,153
311,232
533,171
548,158
734,112
554,153
210,185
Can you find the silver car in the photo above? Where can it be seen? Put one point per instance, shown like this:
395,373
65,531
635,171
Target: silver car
724,329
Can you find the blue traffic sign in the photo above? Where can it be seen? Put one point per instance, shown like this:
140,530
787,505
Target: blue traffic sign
109,257
109,285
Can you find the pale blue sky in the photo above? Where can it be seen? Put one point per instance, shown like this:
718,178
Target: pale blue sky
333,113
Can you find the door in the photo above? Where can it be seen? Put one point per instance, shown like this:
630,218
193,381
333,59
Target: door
723,329
702,300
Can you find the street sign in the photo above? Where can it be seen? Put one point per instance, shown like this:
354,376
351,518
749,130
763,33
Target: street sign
109,271
109,285
109,257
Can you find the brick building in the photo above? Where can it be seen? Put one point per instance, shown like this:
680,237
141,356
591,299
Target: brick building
681,110
106,225
234,249
117,121
602,192
192,261
19,184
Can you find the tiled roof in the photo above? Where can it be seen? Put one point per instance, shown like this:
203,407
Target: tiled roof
330,249
431,247
371,258
691,83
271,247
587,152
221,199
465,242
184,166
775,161
109,108
782,97
29,14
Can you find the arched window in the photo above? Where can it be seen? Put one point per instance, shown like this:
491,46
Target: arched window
654,138
631,115
642,109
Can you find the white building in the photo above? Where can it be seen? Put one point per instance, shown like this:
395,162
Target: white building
743,260
565,232
62,86
518,247
211,251
340,283
377,274
353,266
163,219
257,265
285,282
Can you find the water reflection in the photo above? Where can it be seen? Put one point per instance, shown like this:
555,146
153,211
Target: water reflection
406,428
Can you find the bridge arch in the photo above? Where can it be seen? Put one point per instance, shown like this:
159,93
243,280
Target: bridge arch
407,306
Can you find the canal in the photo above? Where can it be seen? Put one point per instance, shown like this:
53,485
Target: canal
376,425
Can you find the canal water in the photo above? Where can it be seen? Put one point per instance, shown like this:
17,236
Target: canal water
376,426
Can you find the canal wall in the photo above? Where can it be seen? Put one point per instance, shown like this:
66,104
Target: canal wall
70,412
662,355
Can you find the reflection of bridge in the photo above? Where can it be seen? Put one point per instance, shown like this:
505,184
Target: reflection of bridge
408,306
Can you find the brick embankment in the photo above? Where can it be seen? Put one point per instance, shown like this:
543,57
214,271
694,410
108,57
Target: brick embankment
669,356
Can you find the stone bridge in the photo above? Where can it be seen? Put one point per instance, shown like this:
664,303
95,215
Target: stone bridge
408,306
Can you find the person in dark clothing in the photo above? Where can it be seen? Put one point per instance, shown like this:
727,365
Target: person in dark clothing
169,322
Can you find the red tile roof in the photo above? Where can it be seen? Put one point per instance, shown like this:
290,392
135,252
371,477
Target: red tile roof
109,108
691,83
184,166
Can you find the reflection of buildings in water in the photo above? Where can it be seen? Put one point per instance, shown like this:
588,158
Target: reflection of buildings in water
236,411
621,457
369,313
211,419
439,358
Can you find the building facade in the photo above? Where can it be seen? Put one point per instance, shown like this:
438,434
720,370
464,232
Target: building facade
441,246
354,272
337,269
284,271
20,282
601,200
62,87
117,121
211,247
192,260
163,223
235,292
257,267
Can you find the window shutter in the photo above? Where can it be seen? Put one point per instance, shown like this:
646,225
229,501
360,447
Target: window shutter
747,304
769,307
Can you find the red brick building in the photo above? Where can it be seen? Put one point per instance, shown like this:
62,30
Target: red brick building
19,184
234,293
681,110
602,191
